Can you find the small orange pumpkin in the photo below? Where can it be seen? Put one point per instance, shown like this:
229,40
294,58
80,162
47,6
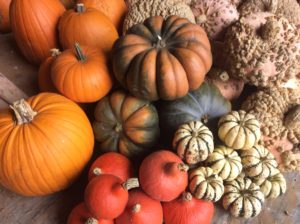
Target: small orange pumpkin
45,143
88,27
81,75
4,16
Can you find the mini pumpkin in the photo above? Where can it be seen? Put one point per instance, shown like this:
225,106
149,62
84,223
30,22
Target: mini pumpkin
243,198
225,162
239,130
82,74
126,124
274,186
205,184
258,162
193,142
162,59
4,18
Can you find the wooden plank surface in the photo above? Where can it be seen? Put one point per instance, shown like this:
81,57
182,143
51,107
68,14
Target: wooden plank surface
54,209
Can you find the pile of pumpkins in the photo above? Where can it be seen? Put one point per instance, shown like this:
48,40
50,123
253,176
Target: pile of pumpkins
47,140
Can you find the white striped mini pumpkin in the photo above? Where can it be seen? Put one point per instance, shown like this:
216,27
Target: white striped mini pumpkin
239,130
193,142
225,162
205,184
243,198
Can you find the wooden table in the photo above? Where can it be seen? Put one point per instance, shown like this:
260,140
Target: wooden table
54,209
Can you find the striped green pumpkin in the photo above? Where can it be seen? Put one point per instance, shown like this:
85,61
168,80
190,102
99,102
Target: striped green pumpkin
193,142
243,198
225,162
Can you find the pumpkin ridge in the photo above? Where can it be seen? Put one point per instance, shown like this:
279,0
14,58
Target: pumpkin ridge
171,25
174,72
252,133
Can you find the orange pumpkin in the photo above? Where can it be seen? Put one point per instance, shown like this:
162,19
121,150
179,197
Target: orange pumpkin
4,16
44,75
88,27
45,143
81,75
115,10
34,25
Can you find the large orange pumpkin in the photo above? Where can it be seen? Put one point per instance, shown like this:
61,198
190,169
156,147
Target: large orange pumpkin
115,10
45,143
81,75
34,25
162,58
4,16
88,27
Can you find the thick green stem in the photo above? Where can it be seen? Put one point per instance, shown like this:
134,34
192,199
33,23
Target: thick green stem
80,55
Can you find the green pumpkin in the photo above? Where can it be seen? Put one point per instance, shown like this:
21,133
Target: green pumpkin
205,104
126,124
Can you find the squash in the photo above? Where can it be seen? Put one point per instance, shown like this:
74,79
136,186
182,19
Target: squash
57,135
274,185
239,130
162,59
126,124
81,215
82,74
193,142
106,196
187,209
243,198
141,209
112,163
258,163
205,184
225,162
34,26
205,104
44,75
88,27
4,16
163,176
115,10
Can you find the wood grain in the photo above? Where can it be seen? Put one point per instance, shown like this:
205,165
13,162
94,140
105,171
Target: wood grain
54,209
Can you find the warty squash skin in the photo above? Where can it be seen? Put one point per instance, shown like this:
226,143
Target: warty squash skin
34,26
44,149
4,16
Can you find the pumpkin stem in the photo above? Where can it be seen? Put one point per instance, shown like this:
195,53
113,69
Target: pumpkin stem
91,221
205,119
174,167
23,112
80,8
183,167
270,30
136,208
224,76
187,196
55,52
131,183
80,55
97,171
292,119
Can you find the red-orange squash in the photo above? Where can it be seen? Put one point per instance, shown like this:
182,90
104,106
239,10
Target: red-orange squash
141,209
45,143
115,10
44,74
162,59
4,16
81,215
187,209
163,175
112,163
81,74
86,26
34,25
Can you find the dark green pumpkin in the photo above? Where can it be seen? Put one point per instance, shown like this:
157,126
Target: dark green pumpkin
205,104
126,124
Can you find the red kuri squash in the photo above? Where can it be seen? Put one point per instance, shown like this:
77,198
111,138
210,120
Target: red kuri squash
112,163
106,196
4,16
45,143
81,74
187,209
163,175
141,209
34,25
88,27
81,215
